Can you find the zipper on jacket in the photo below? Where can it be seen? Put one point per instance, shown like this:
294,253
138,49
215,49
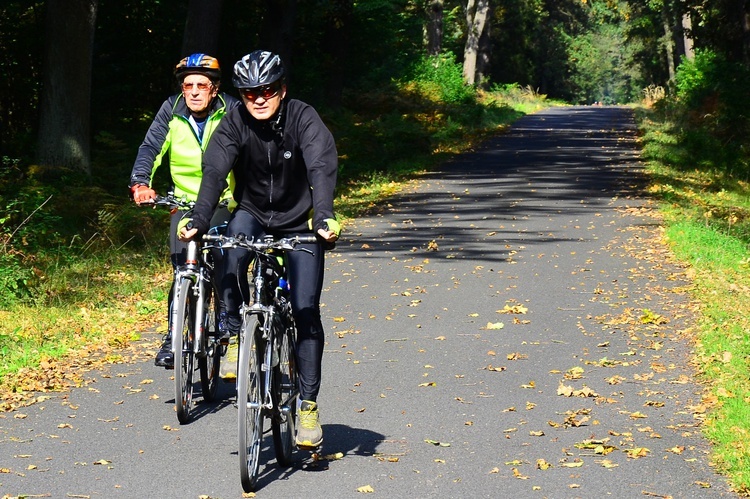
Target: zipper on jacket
270,191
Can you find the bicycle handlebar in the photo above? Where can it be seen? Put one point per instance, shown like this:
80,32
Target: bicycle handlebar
170,201
261,245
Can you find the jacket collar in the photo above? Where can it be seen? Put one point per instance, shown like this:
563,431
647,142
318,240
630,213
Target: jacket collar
179,107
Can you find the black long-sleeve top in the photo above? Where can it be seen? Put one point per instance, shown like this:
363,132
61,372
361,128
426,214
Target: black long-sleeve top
286,178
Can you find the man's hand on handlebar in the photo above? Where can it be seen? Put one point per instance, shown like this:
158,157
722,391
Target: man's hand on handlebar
185,229
186,235
143,194
328,235
330,230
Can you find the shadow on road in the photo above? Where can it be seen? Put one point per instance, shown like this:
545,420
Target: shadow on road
341,442
564,163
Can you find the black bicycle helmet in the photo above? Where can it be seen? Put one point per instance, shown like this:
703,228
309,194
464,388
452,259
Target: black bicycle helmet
198,64
257,69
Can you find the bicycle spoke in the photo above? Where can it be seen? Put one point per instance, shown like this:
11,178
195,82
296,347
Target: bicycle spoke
249,389
209,364
285,395
182,338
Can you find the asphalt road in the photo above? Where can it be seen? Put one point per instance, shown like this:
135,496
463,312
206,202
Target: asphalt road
507,326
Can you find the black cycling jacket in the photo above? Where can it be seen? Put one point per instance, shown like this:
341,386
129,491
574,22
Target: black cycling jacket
284,175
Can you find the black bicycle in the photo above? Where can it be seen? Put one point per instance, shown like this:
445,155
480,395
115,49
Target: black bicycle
193,320
267,369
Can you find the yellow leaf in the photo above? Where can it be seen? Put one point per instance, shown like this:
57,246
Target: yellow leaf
608,464
541,464
365,489
572,464
494,325
564,390
637,452
518,474
496,369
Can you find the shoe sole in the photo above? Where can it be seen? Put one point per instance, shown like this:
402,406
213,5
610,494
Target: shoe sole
307,446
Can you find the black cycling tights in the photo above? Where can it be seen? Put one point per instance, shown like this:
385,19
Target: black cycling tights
305,273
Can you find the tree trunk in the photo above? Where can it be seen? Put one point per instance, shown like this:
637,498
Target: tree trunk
434,27
65,102
687,37
484,52
745,20
202,28
277,31
476,20
668,47
336,46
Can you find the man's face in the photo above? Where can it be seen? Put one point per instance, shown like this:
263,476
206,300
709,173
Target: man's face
198,92
263,102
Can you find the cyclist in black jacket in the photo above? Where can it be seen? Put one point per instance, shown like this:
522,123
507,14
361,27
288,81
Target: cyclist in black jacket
285,163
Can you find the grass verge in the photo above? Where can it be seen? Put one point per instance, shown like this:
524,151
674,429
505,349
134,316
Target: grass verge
707,217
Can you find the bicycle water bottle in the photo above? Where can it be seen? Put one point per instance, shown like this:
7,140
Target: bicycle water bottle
283,284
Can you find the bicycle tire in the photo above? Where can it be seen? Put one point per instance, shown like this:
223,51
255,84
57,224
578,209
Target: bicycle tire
209,365
182,338
285,396
249,389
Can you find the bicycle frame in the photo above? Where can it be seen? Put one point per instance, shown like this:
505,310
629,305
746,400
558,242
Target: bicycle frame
267,309
263,388
197,272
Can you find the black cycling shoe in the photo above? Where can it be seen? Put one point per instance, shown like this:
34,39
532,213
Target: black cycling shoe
165,357
224,333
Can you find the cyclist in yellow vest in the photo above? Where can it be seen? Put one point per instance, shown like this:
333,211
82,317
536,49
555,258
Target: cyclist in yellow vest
181,130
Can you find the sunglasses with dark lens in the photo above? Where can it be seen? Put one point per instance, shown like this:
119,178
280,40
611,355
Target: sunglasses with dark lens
266,91
186,87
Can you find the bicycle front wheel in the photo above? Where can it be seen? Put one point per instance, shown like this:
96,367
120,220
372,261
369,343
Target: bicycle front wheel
285,396
209,365
249,393
182,339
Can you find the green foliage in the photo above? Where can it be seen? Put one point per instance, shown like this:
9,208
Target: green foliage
697,80
14,280
442,77
714,125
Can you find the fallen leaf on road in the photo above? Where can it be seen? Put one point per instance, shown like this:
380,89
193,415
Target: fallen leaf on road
518,474
541,464
637,452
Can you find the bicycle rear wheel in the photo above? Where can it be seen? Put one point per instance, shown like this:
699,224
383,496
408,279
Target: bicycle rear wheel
182,339
285,396
249,393
209,365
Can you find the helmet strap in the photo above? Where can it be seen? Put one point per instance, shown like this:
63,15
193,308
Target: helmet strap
277,124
